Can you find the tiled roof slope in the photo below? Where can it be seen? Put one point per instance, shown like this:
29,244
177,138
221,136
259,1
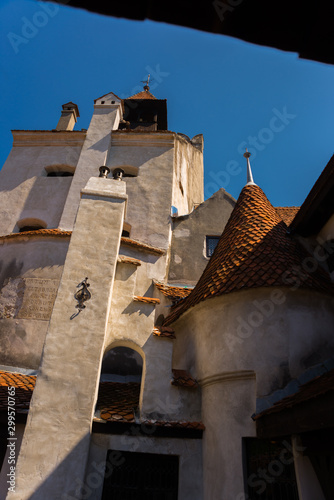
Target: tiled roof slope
24,386
173,292
312,389
253,251
118,401
287,214
144,94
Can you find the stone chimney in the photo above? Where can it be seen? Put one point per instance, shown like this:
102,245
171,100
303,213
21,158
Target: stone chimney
69,115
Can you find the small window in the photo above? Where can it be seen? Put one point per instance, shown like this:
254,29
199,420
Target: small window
102,102
211,243
126,230
60,174
30,224
24,229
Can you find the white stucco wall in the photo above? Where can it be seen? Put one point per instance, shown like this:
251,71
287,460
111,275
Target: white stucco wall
26,192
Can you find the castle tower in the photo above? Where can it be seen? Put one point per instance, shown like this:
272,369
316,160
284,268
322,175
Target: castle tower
81,255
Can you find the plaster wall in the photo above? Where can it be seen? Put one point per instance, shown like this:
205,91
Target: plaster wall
276,332
227,408
188,450
307,481
188,176
150,193
19,430
131,325
93,155
188,252
25,189
33,258
64,398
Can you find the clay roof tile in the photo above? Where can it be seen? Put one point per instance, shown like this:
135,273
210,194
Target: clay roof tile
253,251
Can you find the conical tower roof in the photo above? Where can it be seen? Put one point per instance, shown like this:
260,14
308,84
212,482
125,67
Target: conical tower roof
254,250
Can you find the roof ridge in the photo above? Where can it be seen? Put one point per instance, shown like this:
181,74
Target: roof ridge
143,94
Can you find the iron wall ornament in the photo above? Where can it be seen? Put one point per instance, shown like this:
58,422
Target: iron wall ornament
82,294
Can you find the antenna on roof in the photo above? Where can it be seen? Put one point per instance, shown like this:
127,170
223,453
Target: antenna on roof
146,87
250,180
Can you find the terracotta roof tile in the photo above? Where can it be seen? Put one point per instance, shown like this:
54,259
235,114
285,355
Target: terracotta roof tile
287,214
118,401
164,331
311,389
141,246
182,378
123,259
38,232
173,292
144,94
24,386
146,300
253,251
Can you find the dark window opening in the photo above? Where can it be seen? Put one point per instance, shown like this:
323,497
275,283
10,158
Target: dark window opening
211,243
102,102
60,174
270,471
30,228
140,476
125,234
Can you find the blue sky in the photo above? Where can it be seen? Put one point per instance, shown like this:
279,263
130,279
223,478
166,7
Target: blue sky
236,94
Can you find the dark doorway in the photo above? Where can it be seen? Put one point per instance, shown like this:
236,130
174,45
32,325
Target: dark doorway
141,476
270,471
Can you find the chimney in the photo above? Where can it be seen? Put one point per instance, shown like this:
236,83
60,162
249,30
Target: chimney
68,118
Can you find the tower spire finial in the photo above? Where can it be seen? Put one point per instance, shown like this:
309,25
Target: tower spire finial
146,86
250,180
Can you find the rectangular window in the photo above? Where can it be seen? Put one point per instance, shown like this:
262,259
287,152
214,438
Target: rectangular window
211,243
141,476
270,471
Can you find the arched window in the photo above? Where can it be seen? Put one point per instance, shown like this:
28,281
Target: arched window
30,224
59,170
120,385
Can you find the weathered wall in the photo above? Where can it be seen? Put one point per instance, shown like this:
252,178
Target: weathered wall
267,335
93,155
66,389
131,325
30,270
188,450
188,252
26,192
188,175
150,193
257,329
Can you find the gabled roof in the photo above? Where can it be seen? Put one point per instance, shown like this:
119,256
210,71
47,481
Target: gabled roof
108,95
287,213
144,94
253,251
